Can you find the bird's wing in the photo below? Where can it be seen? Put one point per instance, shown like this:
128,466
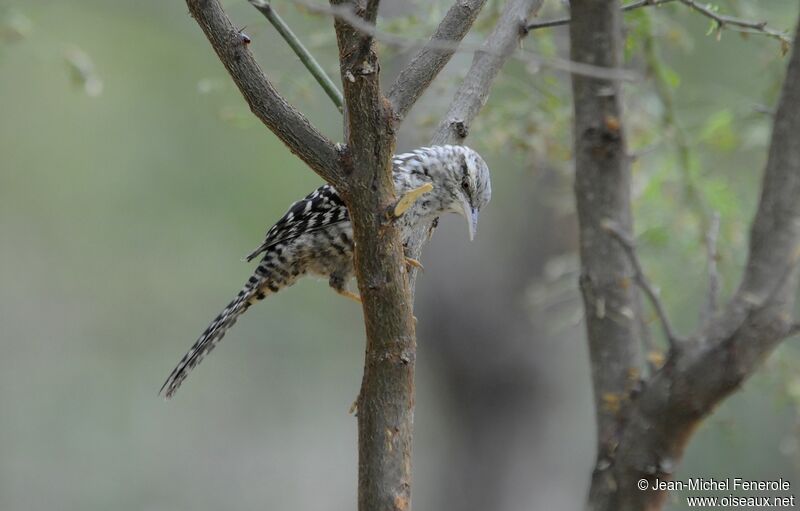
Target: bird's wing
321,208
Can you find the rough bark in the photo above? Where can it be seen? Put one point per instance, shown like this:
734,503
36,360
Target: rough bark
602,193
646,436
386,400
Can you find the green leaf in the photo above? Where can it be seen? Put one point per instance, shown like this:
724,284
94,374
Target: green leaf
718,130
670,76
720,197
657,237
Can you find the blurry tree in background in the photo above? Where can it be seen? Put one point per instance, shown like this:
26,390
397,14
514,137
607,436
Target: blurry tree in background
641,436
672,142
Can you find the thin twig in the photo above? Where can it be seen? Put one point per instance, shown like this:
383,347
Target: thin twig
302,53
712,300
630,250
565,21
671,124
740,25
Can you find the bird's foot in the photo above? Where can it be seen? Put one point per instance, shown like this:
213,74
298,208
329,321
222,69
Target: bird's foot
409,198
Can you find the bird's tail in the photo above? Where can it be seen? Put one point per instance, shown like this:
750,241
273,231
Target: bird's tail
249,294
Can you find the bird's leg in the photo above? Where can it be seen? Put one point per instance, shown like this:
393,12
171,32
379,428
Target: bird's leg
409,198
349,294
339,284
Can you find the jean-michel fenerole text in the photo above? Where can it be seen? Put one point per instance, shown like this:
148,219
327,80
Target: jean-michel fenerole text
725,484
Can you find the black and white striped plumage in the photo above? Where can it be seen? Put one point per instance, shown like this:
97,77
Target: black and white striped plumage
315,235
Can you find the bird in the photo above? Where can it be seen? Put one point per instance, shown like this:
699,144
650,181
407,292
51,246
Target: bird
315,236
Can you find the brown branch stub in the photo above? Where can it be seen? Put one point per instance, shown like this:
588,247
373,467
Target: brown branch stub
643,282
291,126
461,129
431,59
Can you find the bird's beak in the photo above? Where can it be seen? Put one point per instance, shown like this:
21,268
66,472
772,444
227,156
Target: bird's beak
471,214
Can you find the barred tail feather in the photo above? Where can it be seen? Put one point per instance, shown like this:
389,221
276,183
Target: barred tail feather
211,337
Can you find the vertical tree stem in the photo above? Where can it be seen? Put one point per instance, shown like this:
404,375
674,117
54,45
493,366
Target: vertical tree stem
602,193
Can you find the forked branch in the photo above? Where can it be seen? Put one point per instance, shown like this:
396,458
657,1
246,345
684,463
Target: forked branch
291,126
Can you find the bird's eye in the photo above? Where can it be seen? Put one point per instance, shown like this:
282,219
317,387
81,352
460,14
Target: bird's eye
465,184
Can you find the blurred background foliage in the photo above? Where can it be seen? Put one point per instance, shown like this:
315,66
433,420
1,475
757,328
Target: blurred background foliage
133,178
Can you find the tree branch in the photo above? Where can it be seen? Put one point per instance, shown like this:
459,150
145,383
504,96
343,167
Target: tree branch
642,281
291,126
300,50
739,24
431,59
730,348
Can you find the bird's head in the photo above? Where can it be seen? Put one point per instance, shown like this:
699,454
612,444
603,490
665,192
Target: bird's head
466,185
